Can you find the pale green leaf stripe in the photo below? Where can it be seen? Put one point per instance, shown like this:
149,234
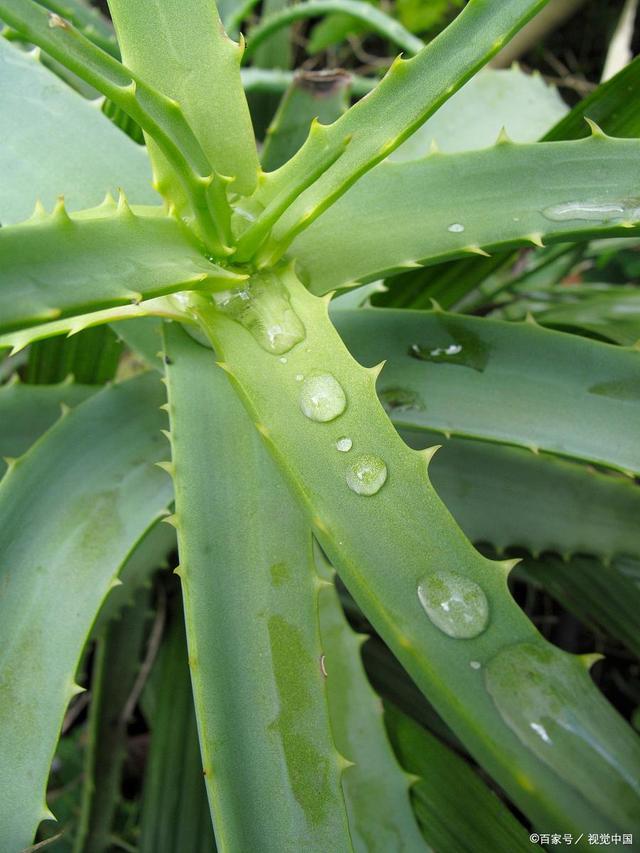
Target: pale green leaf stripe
383,566
374,18
161,40
251,605
376,790
175,813
26,411
59,265
508,497
445,783
411,91
504,382
72,510
446,205
84,157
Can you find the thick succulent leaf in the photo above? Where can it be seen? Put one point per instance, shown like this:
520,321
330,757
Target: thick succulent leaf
323,96
27,411
411,91
102,492
447,205
180,47
577,764
116,664
91,357
508,497
523,104
376,791
444,782
278,80
601,594
201,192
84,157
453,374
375,19
144,338
61,266
89,20
175,813
251,607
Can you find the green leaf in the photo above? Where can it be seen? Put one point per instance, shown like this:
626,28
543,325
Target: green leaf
399,571
374,18
523,104
175,813
102,493
444,782
411,91
61,265
455,374
251,607
161,40
312,95
89,20
376,790
91,357
27,411
201,191
276,80
495,199
85,156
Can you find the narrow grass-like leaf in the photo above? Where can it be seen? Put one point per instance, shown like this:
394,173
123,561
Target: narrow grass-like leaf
251,605
444,782
411,91
375,19
158,39
63,265
475,201
91,357
505,382
399,571
102,492
175,814
89,20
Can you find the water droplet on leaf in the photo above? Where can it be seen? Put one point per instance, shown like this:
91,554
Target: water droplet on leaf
322,397
344,444
626,210
456,228
366,475
455,604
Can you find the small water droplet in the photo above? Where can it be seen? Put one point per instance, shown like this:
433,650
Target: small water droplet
465,348
455,604
263,307
475,664
456,228
282,360
322,397
299,377
367,475
344,444
625,210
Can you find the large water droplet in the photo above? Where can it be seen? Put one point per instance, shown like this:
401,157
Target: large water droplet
366,475
322,398
625,210
263,307
455,604
344,444
548,700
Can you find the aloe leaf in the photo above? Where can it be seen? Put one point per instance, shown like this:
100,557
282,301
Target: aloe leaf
446,372
175,813
103,492
477,201
276,52
376,790
478,665
91,357
251,602
144,338
202,196
444,781
85,156
61,265
26,412
411,91
277,80
116,664
158,39
319,95
375,19
89,20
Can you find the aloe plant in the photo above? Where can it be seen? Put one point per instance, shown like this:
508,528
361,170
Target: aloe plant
282,425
